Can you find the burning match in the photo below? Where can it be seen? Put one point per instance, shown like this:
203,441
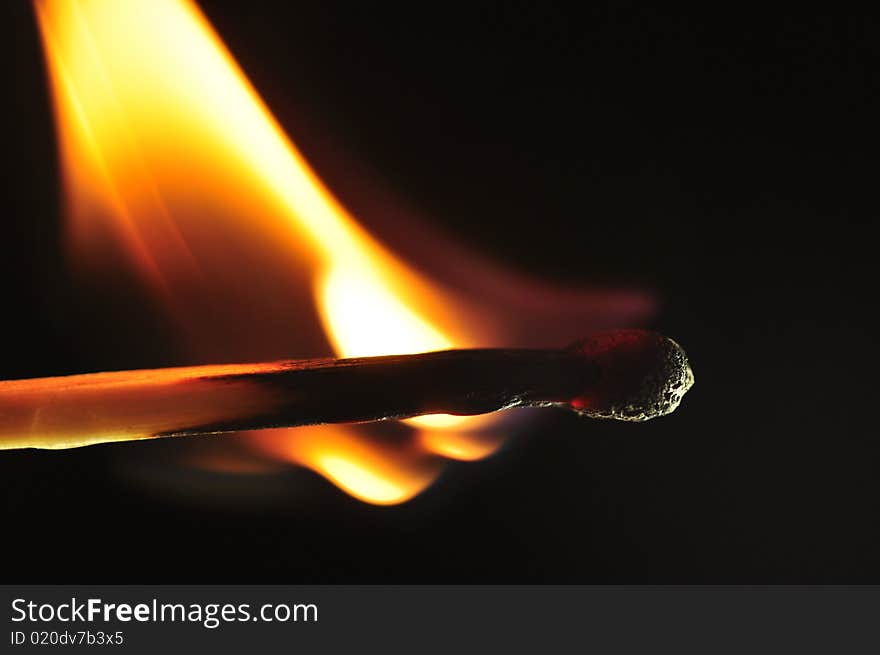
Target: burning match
630,375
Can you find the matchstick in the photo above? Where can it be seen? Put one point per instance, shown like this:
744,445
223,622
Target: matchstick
632,375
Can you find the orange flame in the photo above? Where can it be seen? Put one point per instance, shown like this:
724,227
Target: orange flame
168,152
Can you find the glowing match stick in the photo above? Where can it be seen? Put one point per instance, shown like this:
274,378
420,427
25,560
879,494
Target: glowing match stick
631,375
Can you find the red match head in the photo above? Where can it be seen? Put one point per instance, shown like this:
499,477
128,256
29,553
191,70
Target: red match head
643,375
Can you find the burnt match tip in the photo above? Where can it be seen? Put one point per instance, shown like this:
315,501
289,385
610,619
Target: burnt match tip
643,375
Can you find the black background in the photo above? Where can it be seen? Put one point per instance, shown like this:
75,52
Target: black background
725,159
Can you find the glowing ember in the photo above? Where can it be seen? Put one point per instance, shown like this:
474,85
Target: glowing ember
170,157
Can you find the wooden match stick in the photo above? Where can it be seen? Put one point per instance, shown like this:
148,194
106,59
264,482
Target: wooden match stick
631,375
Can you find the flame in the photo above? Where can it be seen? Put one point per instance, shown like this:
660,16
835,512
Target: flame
175,168
380,471
168,150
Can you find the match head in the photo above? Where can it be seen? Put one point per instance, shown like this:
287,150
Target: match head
643,375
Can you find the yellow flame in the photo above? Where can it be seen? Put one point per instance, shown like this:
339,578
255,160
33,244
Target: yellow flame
372,470
363,318
168,150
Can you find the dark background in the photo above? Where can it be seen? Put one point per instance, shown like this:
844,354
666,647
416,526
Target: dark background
726,160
